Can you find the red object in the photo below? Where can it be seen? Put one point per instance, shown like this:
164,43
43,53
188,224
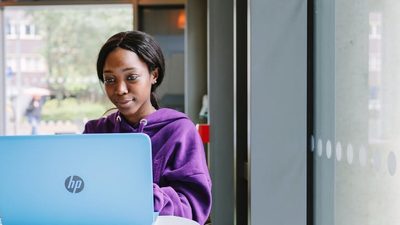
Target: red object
204,131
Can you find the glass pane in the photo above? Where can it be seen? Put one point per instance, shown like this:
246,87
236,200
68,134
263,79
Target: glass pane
357,102
51,53
167,25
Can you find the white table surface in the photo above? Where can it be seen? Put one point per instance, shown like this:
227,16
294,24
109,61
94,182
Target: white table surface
173,220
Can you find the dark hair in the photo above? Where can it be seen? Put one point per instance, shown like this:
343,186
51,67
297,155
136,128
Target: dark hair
145,47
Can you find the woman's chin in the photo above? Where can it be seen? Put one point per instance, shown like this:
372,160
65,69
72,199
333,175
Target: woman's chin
127,110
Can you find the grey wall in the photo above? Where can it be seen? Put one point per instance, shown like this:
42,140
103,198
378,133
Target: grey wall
220,89
195,57
277,111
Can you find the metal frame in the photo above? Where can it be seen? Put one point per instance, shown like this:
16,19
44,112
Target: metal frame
241,183
64,2
162,2
310,111
248,90
2,76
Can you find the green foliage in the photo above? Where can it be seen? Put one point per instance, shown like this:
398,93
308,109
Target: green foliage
72,38
71,109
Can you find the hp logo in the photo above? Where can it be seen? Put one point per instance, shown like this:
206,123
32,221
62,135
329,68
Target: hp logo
74,184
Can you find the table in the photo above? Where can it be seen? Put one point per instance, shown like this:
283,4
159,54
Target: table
173,220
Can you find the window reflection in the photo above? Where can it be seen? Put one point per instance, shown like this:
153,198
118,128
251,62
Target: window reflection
375,76
357,103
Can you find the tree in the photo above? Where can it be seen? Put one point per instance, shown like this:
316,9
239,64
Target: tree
72,38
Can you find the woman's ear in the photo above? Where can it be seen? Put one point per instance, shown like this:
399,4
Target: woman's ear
154,76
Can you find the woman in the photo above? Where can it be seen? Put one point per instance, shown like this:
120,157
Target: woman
131,66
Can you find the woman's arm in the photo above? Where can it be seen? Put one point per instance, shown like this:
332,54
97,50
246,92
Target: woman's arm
185,186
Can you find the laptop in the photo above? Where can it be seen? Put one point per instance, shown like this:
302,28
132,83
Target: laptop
90,179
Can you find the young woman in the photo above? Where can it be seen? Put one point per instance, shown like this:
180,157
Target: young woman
131,66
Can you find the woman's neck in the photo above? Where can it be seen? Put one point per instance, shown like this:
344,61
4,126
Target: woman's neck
140,114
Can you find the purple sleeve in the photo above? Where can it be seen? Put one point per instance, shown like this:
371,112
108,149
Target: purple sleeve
88,128
185,186
97,126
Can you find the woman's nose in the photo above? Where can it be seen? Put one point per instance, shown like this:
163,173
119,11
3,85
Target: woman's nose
121,88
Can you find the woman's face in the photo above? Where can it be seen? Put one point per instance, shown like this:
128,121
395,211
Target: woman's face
127,82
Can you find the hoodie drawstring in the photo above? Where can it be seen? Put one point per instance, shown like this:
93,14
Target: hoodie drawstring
118,120
142,124
117,123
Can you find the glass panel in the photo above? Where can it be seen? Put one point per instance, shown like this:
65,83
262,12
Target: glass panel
357,102
51,53
167,25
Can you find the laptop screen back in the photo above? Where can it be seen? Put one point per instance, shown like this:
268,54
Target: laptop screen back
76,179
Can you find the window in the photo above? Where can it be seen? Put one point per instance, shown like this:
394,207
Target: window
8,28
29,30
11,30
356,116
30,63
51,52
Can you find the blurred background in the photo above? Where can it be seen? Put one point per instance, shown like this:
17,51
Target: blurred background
51,53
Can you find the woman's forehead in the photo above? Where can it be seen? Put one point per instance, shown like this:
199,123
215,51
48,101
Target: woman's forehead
123,59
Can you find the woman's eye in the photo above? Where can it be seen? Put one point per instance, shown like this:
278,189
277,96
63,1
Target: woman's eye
109,80
132,77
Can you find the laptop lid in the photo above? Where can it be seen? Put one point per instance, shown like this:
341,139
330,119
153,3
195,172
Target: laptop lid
76,179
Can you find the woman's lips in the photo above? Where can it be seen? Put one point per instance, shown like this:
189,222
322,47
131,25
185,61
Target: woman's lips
123,102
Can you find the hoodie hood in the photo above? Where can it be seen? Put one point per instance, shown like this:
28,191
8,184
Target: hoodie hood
116,123
151,123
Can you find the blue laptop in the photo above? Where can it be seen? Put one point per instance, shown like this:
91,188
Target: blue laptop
91,179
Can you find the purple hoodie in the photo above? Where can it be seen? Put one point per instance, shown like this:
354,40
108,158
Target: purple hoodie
181,181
